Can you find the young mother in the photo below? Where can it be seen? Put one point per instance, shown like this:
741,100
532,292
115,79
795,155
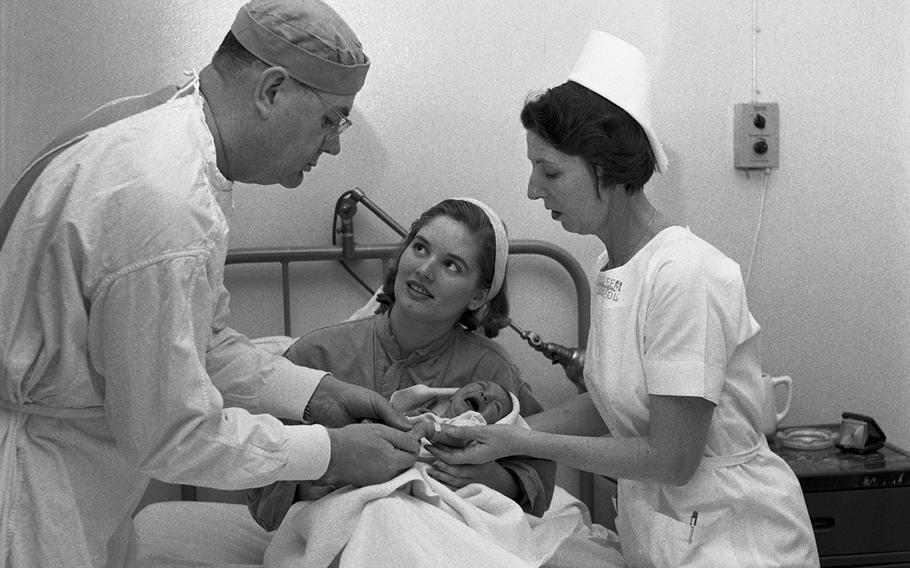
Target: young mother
672,361
447,280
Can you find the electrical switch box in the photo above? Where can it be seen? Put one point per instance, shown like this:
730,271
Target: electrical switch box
756,136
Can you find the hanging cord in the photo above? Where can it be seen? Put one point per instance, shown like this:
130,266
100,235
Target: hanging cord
761,214
356,277
755,31
755,94
191,84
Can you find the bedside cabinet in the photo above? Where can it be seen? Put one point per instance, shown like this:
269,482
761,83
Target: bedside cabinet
859,504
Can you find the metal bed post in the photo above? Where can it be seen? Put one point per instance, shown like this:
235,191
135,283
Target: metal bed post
286,295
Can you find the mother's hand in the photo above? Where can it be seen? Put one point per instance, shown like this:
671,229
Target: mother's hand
490,474
484,443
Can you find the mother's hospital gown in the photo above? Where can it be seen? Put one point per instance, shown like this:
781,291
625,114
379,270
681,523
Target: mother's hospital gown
365,352
115,360
674,321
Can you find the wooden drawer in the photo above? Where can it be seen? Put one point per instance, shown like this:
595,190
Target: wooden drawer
873,521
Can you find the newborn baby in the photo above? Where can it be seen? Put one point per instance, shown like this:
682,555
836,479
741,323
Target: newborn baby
486,398
475,404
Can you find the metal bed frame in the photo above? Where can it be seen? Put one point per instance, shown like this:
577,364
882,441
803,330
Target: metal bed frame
345,210
286,256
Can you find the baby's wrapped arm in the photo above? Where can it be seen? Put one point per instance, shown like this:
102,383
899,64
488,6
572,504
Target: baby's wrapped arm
536,477
268,505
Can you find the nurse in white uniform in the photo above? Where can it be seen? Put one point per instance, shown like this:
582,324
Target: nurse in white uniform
672,363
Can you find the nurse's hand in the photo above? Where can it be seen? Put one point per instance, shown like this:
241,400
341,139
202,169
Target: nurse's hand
484,443
364,454
335,403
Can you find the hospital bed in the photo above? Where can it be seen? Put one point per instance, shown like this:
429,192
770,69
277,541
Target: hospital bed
161,532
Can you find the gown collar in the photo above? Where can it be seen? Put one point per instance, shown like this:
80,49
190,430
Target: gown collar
383,327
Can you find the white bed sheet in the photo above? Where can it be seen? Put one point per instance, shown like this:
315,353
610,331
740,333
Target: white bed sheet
182,534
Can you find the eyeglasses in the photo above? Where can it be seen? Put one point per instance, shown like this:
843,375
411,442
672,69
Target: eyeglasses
343,122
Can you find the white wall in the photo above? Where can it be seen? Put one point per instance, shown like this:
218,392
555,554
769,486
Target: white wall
439,117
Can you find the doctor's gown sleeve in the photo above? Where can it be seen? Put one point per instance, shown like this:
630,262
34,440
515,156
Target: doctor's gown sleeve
248,377
151,338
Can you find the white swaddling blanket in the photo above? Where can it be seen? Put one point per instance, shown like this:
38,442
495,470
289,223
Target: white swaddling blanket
413,397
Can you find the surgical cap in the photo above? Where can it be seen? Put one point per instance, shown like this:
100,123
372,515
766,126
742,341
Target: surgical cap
306,37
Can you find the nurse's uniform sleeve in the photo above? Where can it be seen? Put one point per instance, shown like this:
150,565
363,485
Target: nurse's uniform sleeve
150,334
685,343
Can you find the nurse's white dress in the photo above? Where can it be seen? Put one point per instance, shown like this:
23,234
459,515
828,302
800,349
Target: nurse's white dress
674,321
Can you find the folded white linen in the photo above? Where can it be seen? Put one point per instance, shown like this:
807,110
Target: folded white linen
415,521
197,534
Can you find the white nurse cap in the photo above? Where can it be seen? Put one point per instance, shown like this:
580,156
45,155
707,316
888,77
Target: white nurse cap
618,71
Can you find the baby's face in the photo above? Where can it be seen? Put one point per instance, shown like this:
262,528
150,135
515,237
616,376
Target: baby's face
486,397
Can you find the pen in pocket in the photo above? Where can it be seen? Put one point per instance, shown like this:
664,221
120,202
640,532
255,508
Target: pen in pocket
692,522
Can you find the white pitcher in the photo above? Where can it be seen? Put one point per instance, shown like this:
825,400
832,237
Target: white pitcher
771,416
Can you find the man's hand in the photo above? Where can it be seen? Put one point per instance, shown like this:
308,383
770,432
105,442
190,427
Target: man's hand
335,404
364,454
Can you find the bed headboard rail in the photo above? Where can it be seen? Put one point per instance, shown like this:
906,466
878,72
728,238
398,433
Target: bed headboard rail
286,256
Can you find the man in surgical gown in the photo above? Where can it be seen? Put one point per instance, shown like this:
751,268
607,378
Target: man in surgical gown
116,362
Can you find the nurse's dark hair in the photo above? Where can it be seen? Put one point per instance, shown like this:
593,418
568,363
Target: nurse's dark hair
577,121
495,314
